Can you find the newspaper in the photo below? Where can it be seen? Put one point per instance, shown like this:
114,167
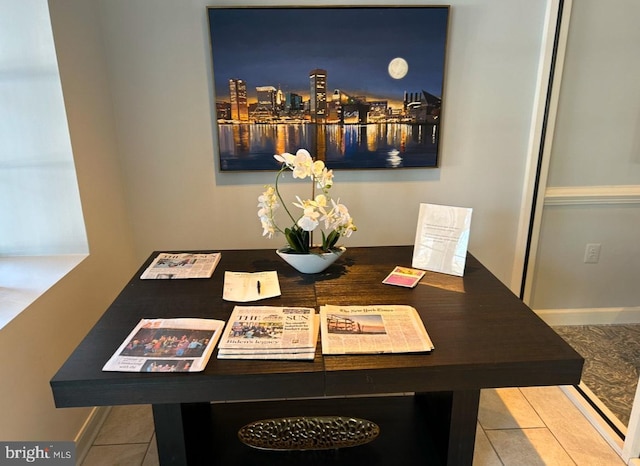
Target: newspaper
182,265
264,330
167,345
305,356
307,353
372,329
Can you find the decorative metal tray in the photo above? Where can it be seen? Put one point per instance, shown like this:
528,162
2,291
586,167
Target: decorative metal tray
308,433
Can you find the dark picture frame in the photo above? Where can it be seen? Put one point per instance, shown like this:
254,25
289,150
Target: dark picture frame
358,87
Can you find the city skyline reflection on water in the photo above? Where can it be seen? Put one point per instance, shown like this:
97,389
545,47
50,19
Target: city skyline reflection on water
250,146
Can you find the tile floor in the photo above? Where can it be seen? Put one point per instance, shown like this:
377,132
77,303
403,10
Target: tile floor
516,426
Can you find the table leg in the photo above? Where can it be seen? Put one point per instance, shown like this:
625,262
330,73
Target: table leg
453,417
183,433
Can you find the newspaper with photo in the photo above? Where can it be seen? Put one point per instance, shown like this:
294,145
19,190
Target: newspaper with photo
167,345
182,265
372,329
307,353
269,330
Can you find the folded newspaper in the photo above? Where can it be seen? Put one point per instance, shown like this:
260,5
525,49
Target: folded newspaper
182,265
372,329
266,332
167,345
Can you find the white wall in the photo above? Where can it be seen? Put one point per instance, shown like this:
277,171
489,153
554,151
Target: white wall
564,281
36,343
597,136
593,193
159,69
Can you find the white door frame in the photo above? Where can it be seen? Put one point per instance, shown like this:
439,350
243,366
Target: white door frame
550,66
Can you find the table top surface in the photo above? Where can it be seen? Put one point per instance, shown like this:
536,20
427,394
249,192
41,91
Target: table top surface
484,336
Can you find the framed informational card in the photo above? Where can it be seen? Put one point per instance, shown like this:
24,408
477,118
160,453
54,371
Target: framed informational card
442,238
358,87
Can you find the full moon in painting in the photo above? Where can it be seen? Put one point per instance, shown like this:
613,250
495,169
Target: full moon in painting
398,68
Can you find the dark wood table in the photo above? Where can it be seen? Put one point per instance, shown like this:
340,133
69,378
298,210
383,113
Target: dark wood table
425,404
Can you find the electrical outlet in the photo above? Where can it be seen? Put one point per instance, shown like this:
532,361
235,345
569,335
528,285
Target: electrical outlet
592,253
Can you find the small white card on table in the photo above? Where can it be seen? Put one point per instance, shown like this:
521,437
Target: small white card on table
243,287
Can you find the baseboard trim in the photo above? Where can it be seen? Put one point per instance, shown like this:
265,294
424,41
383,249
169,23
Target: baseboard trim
89,431
592,316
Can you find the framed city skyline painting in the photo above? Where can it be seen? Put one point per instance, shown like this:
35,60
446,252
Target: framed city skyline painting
358,87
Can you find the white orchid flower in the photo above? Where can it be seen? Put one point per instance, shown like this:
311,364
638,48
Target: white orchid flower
285,158
302,204
302,164
317,168
268,227
309,221
321,209
324,180
320,201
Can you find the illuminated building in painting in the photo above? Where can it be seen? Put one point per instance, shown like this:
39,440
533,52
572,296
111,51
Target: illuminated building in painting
348,109
280,99
318,95
266,108
238,97
292,102
422,107
378,110
223,111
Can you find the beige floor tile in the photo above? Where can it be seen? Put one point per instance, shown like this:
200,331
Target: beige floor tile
151,458
506,408
127,424
116,455
483,453
528,426
576,434
530,447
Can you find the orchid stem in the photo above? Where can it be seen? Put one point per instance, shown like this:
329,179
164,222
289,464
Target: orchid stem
280,197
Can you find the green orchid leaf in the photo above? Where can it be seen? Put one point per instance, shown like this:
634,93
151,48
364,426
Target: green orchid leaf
329,242
298,239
